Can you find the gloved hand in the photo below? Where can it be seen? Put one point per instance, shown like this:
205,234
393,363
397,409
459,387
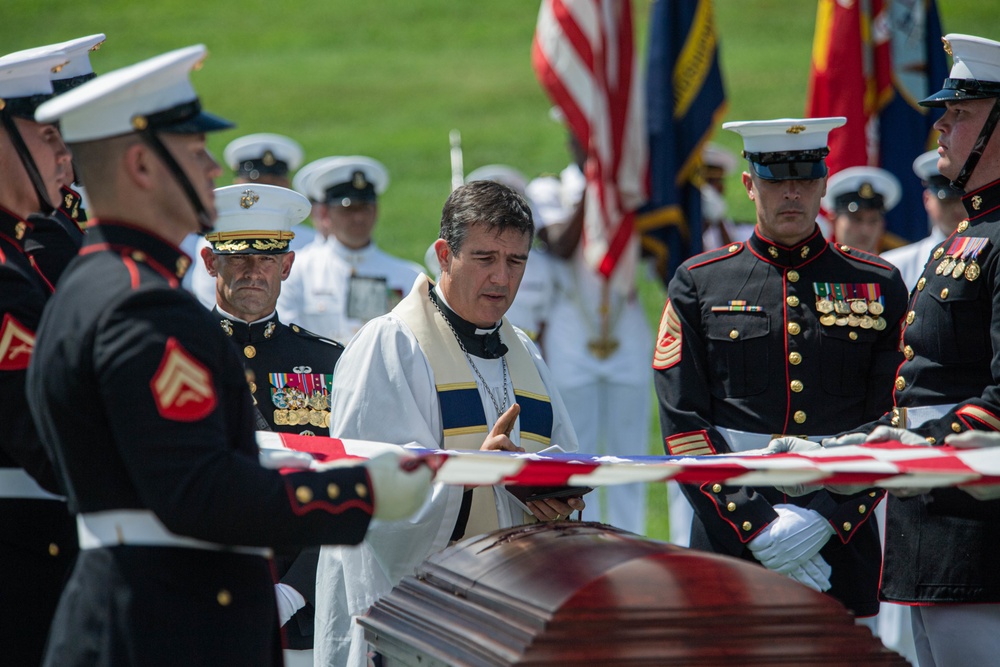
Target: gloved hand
885,433
276,459
289,602
814,573
793,538
844,440
783,445
973,440
397,492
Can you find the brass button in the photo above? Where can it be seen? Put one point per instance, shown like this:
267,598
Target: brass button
333,491
862,509
794,328
962,226
908,352
731,507
734,334
295,328
747,526
921,283
845,248
250,351
797,386
956,427
909,317
894,421
938,253
793,276
900,384
795,358
224,598
53,549
734,247
792,301
138,255
799,417
944,293
303,494
716,488
361,490
853,335
931,440
873,494
253,387
847,526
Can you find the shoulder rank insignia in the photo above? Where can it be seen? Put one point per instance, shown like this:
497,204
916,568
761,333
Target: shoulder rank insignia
16,344
182,386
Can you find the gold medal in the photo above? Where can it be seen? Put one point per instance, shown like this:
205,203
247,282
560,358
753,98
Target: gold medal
303,414
875,308
841,321
880,324
867,322
824,306
316,401
841,307
972,271
291,418
859,306
281,417
853,320
959,269
828,319
945,266
316,418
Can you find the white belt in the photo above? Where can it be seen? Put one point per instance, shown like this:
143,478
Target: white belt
917,417
741,441
16,483
142,528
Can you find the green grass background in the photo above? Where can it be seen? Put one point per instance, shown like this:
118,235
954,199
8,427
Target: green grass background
391,78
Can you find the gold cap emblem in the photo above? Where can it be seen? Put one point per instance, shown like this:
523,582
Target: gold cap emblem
866,191
947,46
268,158
358,180
796,129
248,198
139,122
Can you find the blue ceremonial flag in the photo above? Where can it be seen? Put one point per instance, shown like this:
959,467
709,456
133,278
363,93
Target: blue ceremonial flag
685,101
919,67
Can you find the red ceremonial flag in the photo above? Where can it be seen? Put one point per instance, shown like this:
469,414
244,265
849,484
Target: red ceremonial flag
583,56
851,76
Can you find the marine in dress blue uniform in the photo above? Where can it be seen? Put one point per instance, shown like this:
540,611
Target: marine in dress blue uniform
37,534
143,403
289,370
761,338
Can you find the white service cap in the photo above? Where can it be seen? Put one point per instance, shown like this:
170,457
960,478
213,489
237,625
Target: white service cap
256,219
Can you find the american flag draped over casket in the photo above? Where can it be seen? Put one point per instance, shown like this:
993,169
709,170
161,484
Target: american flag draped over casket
889,465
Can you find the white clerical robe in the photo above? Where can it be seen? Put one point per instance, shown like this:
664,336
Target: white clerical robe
384,390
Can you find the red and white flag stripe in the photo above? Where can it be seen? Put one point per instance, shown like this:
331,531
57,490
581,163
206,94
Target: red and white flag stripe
583,55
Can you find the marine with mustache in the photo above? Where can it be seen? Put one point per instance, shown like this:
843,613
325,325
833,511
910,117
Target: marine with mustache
785,333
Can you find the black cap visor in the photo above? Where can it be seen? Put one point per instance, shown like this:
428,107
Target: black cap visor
962,89
187,118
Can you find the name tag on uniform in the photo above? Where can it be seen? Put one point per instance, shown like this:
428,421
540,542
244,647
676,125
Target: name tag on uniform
367,298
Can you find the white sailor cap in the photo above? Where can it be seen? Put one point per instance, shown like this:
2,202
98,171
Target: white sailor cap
154,95
926,169
500,173
343,180
78,68
857,188
26,80
255,219
713,155
975,72
263,153
786,148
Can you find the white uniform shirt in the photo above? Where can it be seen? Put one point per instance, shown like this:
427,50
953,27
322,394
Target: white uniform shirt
910,259
384,390
316,294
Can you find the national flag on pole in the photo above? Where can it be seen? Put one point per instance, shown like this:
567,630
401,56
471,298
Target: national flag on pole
685,101
872,62
583,56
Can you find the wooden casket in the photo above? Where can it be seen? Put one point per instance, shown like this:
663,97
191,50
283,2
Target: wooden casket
571,593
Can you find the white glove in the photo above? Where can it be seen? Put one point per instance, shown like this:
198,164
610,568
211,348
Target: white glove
973,440
289,602
883,433
793,538
844,440
814,573
276,459
398,493
783,445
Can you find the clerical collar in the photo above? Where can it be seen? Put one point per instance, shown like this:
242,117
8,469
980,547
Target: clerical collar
482,343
